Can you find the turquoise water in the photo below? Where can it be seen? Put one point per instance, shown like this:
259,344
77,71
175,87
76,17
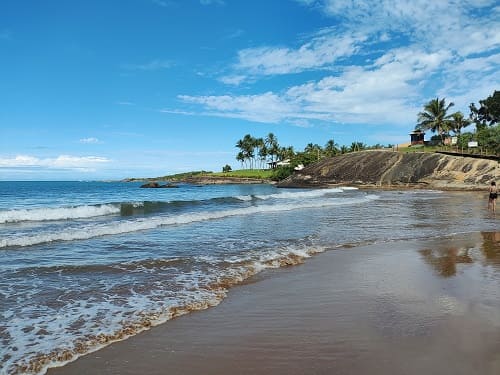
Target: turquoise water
84,264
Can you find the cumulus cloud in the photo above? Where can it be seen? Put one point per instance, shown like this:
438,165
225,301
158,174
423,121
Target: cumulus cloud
323,49
376,66
383,92
60,162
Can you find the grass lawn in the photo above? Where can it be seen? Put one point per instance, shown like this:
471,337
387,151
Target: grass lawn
246,173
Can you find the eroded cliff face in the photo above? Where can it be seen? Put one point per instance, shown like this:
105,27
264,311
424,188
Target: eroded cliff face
387,168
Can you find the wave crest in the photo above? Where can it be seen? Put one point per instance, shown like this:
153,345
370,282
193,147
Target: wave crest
58,213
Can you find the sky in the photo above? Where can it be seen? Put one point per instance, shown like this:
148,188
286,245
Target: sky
110,89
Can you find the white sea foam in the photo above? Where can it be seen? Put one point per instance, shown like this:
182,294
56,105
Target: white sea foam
84,232
83,326
244,198
316,193
56,332
57,213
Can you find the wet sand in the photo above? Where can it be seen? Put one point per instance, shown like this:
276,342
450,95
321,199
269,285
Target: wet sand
412,307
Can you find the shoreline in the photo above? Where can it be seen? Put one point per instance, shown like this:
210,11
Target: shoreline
395,307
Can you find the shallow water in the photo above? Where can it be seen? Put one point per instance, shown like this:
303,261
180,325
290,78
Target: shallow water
84,264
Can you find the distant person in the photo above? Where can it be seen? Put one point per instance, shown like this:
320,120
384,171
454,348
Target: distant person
492,199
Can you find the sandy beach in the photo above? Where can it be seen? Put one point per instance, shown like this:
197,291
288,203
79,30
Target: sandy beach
412,307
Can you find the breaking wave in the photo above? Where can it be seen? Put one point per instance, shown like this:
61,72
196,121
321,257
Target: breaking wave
83,232
58,213
130,313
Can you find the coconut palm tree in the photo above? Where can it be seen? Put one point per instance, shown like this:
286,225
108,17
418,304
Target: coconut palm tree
458,122
344,149
357,146
331,148
272,146
434,117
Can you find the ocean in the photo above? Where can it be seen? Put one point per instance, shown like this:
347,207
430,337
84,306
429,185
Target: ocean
85,264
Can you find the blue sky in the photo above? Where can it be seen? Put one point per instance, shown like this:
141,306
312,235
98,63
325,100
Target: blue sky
108,89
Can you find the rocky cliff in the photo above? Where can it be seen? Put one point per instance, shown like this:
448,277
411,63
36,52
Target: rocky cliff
393,169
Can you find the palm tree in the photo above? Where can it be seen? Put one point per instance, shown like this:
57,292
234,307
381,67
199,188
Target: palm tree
286,153
260,149
458,122
331,148
357,146
314,150
434,117
272,146
241,158
344,149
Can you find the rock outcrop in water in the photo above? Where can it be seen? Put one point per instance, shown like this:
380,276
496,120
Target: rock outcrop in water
156,185
395,169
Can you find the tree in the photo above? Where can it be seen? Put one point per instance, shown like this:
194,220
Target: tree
314,150
241,158
458,122
272,146
434,117
488,112
357,146
331,148
286,153
247,147
226,168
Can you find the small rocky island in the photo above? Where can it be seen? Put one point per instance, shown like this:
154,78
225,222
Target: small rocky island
156,185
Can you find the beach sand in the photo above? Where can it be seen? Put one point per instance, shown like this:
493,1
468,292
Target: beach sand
410,307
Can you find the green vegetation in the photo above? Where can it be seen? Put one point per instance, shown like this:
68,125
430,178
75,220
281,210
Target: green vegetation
263,174
488,113
266,153
264,158
486,118
434,117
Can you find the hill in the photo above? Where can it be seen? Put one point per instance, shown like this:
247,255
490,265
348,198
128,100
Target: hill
395,169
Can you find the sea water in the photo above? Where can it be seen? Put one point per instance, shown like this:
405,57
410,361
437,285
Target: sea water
84,264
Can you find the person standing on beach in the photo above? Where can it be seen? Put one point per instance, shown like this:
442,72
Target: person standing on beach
492,199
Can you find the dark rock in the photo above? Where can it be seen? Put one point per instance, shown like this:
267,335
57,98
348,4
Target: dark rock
151,185
156,185
386,168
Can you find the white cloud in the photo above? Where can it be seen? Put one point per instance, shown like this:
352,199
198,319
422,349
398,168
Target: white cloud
233,80
59,162
90,140
267,107
465,26
378,65
381,93
323,49
461,28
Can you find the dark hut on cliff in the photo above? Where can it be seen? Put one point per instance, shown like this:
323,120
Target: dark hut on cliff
417,137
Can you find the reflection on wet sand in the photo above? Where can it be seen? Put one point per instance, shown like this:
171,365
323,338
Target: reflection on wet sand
491,247
378,309
446,259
